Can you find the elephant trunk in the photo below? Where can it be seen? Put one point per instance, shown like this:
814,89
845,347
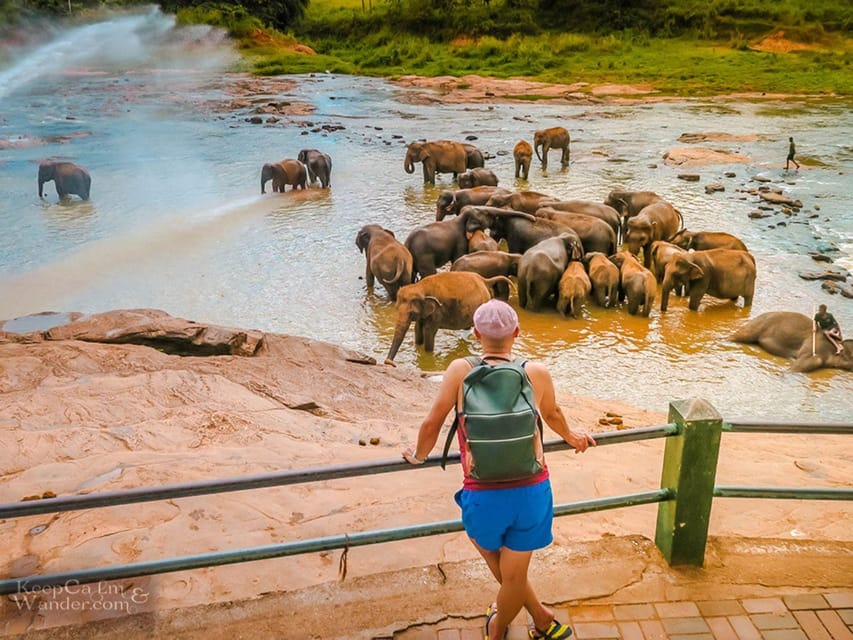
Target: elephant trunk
536,149
667,286
399,333
41,187
408,165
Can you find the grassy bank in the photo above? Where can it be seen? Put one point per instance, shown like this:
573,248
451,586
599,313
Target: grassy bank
721,57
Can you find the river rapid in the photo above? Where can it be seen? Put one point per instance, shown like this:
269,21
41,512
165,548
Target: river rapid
176,220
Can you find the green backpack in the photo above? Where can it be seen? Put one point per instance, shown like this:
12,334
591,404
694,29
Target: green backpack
499,423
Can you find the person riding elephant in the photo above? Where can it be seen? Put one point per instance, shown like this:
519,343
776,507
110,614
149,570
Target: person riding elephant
637,285
387,260
590,208
527,201
658,221
478,177
450,202
701,240
604,278
68,178
488,263
479,240
474,158
287,172
573,290
630,203
444,300
319,166
721,273
436,243
595,234
791,335
522,153
542,266
437,156
553,138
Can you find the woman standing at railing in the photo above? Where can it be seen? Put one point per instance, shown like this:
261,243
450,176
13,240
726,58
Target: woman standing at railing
507,513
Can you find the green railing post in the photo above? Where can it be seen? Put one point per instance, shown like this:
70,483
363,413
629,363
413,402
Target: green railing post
689,471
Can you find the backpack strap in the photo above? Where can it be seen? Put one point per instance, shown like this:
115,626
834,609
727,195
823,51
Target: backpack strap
474,361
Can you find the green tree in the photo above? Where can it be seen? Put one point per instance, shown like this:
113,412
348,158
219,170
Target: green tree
276,13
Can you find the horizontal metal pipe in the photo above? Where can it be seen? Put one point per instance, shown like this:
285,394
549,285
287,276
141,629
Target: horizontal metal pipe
117,572
783,493
780,427
277,479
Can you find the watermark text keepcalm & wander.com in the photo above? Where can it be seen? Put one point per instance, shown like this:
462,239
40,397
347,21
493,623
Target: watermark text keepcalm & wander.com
73,596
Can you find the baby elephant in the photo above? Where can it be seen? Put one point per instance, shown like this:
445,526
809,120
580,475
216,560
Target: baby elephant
604,277
573,289
637,283
477,178
67,177
287,172
387,259
523,154
479,241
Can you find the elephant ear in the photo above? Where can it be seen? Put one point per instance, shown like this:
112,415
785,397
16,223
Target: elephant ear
361,240
388,231
430,306
694,271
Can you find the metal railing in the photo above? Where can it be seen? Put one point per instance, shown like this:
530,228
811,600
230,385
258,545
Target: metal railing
684,499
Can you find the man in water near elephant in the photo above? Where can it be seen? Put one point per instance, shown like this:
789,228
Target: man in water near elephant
827,323
505,522
791,151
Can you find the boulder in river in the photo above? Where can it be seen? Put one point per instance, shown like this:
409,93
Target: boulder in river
148,327
832,273
778,198
693,157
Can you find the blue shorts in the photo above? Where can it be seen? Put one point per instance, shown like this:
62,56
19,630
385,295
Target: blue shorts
518,519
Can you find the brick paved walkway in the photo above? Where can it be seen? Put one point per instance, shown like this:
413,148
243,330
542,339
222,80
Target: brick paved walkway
813,616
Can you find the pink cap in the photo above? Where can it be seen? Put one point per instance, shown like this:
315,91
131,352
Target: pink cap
495,319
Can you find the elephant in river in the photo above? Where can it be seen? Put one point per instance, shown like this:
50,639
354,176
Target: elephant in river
792,335
319,166
434,244
630,203
541,267
474,158
722,273
488,263
478,177
588,207
658,221
444,300
450,202
527,201
68,178
573,289
553,138
595,234
437,156
522,233
637,284
701,240
387,259
287,172
662,253
604,278
522,153
479,240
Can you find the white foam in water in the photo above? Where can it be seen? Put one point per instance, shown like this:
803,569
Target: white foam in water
123,41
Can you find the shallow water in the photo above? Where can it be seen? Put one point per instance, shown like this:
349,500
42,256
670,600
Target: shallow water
176,221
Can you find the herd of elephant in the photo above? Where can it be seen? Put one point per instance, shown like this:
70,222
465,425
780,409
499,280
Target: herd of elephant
561,253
